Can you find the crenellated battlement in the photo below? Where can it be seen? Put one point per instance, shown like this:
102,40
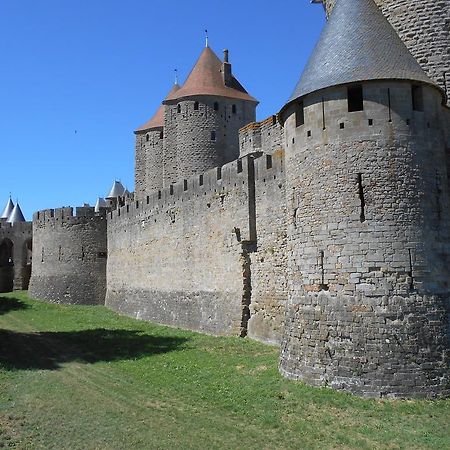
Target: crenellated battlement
66,214
265,136
219,179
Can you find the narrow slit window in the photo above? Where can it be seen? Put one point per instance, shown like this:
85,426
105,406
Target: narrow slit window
216,106
355,98
161,134
196,106
299,114
233,109
417,97
147,137
178,108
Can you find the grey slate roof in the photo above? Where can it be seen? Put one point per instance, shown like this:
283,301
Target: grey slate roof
117,190
101,203
8,209
357,44
16,215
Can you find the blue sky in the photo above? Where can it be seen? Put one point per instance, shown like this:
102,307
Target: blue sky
78,76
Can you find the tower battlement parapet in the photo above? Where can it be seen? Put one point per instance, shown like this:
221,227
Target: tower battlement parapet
66,214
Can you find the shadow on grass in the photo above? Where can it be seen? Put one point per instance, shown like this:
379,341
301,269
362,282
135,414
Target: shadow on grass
8,304
48,350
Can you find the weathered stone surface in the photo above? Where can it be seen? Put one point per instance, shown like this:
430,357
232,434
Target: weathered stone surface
69,256
368,235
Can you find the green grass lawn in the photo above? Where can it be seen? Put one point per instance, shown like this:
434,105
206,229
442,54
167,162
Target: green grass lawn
77,377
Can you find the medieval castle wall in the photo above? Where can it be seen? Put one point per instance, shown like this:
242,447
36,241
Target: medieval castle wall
424,26
69,256
181,256
329,235
269,260
368,233
15,255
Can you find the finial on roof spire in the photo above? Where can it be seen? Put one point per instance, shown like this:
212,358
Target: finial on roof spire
176,76
206,38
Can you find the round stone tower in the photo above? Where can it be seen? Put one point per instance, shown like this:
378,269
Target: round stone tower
368,203
69,256
149,152
424,26
202,119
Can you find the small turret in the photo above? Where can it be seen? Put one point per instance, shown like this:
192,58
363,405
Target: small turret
113,198
16,215
8,209
100,203
149,152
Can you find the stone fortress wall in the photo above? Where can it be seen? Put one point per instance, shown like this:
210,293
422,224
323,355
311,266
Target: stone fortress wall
369,243
15,243
424,26
69,256
205,227
265,136
329,235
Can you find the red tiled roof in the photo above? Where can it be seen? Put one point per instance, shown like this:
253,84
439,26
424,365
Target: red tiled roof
206,79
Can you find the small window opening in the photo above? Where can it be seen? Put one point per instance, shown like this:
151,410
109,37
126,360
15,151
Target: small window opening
147,137
308,133
185,185
417,97
355,98
268,161
200,180
233,109
178,108
370,122
299,114
216,106
342,125
213,135
219,173
161,134
196,106
239,165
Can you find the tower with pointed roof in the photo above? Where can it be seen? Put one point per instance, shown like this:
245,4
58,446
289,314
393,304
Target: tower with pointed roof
368,203
15,248
423,27
203,117
149,152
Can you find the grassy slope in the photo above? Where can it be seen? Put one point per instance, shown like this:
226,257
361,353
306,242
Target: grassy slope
93,380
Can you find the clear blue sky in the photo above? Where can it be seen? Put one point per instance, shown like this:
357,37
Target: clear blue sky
78,76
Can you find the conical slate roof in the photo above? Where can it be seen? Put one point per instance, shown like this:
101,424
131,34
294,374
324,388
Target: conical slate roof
157,121
101,203
117,190
206,79
8,209
357,44
16,215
